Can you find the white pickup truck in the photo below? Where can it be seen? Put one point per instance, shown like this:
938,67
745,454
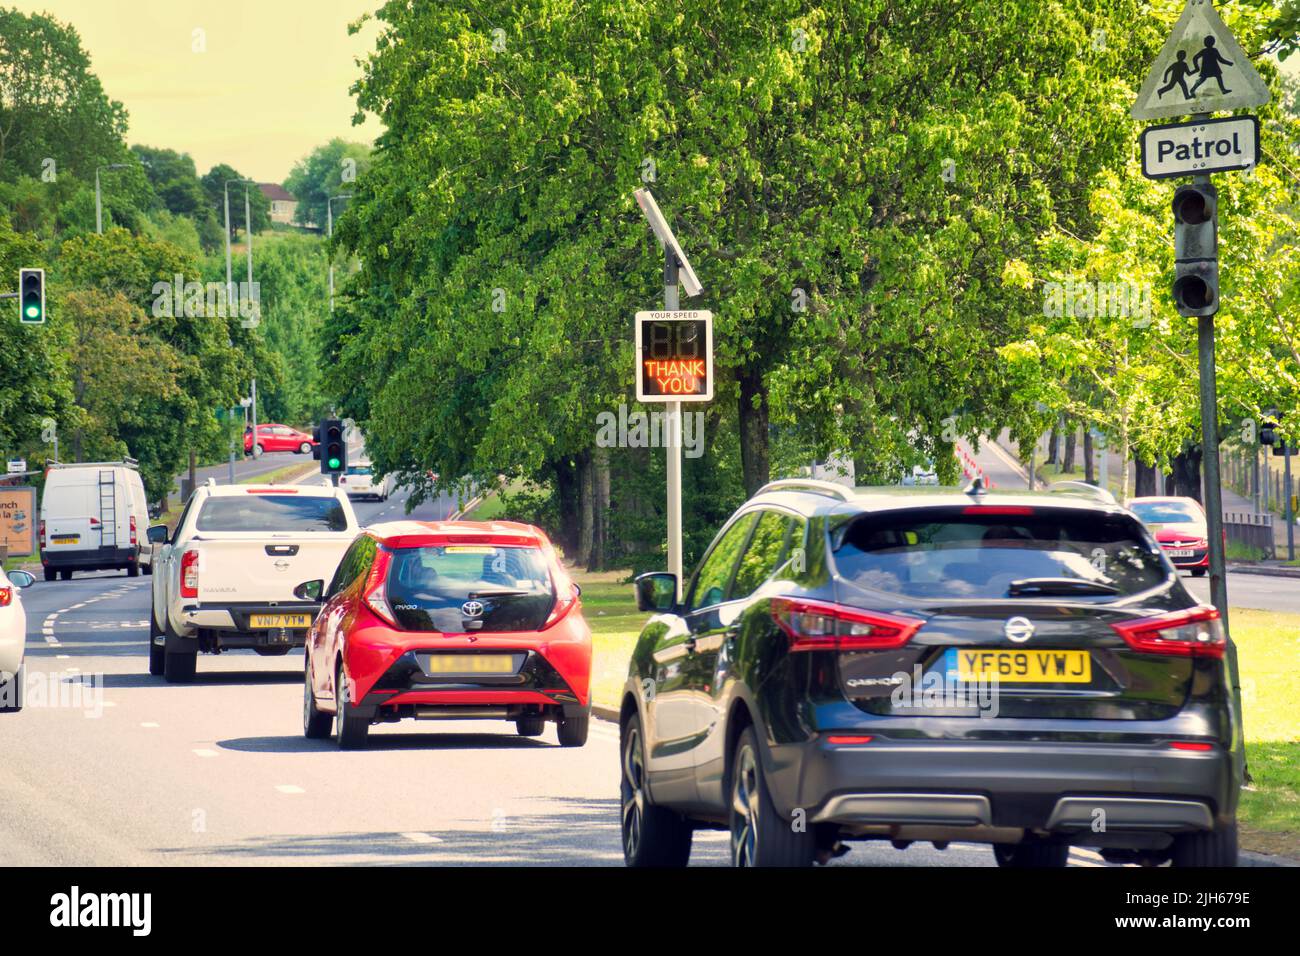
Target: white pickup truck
228,577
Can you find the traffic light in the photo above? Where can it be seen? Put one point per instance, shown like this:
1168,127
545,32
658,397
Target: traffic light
334,448
31,296
1196,249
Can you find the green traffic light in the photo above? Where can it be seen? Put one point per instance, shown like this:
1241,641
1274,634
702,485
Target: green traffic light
33,311
334,463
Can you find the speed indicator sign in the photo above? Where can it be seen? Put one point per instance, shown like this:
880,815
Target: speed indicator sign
674,354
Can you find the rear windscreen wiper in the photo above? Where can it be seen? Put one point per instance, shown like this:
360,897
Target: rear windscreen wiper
501,593
1061,587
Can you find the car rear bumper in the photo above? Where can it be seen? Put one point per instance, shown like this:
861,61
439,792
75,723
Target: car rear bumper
1062,788
87,559
229,626
536,686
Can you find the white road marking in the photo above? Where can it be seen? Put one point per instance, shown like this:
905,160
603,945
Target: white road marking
289,788
148,723
201,752
416,837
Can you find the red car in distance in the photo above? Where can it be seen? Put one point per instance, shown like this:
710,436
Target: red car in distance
448,620
1180,526
273,437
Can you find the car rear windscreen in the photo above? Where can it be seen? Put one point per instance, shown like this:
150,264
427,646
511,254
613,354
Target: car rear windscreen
951,553
358,469
1167,512
468,588
271,513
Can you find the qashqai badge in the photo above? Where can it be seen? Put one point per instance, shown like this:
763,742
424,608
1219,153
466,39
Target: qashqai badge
1018,630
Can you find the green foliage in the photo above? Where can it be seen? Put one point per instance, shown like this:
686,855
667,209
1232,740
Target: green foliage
877,162
51,106
219,182
329,170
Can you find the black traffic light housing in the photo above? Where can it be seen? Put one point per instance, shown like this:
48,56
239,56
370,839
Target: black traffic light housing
333,447
1196,249
31,296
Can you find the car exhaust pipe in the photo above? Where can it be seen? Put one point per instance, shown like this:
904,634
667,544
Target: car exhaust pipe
453,712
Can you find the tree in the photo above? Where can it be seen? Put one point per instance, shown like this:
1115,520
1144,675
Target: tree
214,184
176,184
850,206
328,170
52,108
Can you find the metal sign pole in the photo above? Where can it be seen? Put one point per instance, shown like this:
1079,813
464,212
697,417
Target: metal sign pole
673,442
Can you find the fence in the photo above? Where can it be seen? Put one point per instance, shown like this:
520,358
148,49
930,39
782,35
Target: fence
1251,530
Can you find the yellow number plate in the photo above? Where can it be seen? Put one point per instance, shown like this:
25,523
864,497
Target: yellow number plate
269,621
67,538
470,664
1025,667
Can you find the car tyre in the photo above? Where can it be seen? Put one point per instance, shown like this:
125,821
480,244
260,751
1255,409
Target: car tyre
315,723
350,732
13,692
51,574
1031,853
1217,847
304,448
572,731
258,450
133,569
652,835
65,575
1199,572
530,726
759,835
157,652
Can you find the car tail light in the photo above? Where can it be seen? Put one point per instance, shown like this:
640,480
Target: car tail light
375,590
1022,511
566,599
1194,633
847,739
133,537
6,596
190,574
822,626
93,522
1190,745
42,533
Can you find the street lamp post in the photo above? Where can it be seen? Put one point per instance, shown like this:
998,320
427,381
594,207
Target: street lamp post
99,203
329,234
248,228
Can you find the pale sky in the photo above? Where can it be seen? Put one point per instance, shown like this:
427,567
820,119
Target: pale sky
271,86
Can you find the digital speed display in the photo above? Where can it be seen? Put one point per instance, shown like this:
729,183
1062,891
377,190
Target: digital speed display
674,356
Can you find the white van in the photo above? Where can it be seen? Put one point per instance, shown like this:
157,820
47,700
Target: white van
94,516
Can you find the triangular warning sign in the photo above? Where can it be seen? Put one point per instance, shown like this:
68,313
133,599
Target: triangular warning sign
1201,69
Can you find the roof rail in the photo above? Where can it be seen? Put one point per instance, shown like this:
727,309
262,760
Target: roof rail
811,485
977,487
121,463
1083,489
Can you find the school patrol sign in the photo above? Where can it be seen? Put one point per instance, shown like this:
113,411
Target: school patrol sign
1199,147
1200,69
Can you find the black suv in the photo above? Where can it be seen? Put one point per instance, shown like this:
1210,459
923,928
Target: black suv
1024,670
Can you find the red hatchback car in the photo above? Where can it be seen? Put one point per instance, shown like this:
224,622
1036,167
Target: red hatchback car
273,437
448,620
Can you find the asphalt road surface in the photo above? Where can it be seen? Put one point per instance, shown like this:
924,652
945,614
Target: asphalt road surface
114,767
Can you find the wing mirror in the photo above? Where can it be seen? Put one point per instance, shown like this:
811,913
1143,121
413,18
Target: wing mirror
309,590
656,591
157,534
21,579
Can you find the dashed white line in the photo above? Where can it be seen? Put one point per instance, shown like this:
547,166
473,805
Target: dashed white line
416,837
289,788
202,752
148,723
